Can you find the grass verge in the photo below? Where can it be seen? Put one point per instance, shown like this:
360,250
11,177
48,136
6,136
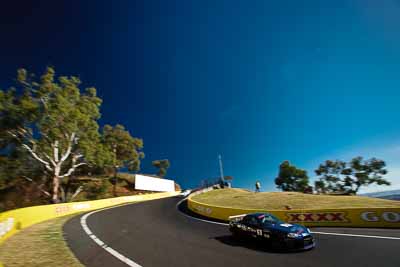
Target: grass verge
239,198
41,245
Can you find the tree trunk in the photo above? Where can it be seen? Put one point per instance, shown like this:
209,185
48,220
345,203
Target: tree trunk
56,185
115,182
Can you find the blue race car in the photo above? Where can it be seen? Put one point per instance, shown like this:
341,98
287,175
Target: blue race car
269,229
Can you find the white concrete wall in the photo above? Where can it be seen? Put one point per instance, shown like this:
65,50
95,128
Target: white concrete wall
143,182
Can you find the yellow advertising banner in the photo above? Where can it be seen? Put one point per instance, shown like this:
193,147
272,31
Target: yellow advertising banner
354,217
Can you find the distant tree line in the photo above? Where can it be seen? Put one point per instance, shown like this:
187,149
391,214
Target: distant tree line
49,135
333,176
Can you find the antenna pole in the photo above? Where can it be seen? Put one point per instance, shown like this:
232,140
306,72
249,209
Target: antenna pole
221,169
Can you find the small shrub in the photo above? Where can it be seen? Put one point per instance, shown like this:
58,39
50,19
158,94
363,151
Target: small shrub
96,190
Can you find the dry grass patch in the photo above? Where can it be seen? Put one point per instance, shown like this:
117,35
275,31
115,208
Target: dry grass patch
41,245
239,198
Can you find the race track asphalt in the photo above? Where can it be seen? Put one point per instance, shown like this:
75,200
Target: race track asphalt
156,233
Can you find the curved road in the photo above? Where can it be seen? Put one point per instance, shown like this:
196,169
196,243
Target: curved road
155,233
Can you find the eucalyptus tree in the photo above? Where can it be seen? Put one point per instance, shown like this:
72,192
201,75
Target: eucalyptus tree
54,121
349,177
291,178
162,165
126,150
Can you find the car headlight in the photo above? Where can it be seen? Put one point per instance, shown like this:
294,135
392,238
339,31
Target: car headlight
293,235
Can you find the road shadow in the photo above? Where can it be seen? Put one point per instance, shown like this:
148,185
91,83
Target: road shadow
256,245
230,240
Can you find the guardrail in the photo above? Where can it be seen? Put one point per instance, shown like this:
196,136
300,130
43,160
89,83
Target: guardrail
351,217
204,190
14,220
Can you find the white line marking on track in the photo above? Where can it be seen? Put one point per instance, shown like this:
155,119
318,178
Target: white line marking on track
98,241
320,233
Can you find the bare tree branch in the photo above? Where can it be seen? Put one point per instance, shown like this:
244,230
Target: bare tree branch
47,165
80,164
43,100
72,169
27,178
13,134
51,160
44,191
78,190
21,132
55,149
68,152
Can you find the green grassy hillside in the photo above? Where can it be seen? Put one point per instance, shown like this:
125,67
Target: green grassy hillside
239,198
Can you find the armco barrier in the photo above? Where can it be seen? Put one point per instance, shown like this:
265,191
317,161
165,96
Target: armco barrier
354,217
14,220
201,191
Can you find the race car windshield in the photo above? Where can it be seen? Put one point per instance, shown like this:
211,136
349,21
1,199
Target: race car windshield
269,219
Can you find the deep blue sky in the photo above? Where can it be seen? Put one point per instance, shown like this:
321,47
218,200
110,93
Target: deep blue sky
257,81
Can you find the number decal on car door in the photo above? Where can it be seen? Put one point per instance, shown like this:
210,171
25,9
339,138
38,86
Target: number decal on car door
259,232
